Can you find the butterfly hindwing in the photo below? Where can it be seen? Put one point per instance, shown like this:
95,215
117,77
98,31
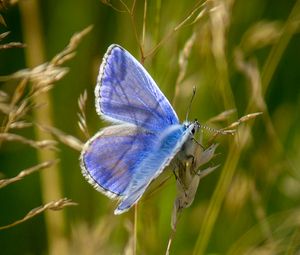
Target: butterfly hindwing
111,157
125,92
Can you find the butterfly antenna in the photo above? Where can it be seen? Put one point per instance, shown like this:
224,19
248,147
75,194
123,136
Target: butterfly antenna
218,131
190,104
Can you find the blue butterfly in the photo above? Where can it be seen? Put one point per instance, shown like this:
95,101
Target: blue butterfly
121,160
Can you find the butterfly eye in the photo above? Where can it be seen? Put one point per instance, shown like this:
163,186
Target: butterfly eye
193,131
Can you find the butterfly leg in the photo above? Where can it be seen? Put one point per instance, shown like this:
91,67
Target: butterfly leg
198,143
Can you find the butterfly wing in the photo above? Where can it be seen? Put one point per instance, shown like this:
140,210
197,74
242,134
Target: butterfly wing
122,160
125,92
112,156
163,151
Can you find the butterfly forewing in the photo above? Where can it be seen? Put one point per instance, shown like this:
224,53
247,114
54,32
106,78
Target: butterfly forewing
125,92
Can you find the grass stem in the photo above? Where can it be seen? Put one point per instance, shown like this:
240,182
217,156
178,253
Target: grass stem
50,179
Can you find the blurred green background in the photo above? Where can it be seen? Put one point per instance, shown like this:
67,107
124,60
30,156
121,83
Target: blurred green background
244,55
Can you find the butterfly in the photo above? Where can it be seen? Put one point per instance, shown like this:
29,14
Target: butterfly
121,160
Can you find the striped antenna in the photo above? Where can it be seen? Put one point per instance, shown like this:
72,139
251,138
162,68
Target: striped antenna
219,131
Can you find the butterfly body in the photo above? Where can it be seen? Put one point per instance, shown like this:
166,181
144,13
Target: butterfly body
122,160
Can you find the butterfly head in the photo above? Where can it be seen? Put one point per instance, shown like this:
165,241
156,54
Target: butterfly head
192,127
